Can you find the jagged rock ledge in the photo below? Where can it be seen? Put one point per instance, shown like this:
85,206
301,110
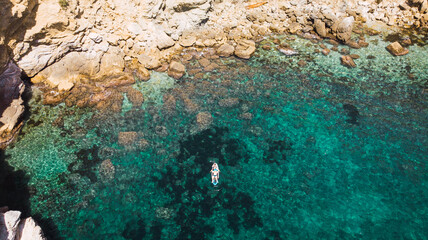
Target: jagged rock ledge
12,227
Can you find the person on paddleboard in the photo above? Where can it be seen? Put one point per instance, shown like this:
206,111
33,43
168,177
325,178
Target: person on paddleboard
215,173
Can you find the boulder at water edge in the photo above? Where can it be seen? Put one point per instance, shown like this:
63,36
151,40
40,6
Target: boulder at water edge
11,103
396,49
245,48
176,70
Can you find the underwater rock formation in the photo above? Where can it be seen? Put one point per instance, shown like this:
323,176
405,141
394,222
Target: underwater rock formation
347,60
396,49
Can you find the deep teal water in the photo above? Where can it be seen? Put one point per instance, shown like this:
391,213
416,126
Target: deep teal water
314,152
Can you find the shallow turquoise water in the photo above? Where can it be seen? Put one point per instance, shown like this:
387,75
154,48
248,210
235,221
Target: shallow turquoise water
314,152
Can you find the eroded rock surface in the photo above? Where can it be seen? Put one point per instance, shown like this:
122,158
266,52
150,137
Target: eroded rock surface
44,36
12,227
11,103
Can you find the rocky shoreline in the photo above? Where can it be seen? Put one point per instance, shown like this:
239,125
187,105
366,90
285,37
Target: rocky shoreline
12,227
85,53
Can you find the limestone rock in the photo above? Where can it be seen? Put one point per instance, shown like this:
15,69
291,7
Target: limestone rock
328,16
144,74
11,220
95,37
320,28
36,59
396,49
187,41
245,48
424,7
176,70
127,138
29,230
69,70
149,61
48,19
294,27
112,62
185,5
134,28
13,228
288,51
11,103
164,41
344,29
347,61
209,42
187,14
325,51
225,50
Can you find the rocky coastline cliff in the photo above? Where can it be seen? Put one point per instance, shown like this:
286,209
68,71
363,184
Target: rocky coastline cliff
86,52
12,227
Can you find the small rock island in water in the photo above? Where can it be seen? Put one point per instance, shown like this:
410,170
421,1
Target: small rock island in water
113,112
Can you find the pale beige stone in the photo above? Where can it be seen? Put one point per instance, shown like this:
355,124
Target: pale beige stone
245,48
29,230
396,49
176,69
225,50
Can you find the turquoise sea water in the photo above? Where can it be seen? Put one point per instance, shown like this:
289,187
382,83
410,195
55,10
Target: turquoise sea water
319,151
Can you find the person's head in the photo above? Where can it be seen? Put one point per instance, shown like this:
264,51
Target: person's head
215,165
